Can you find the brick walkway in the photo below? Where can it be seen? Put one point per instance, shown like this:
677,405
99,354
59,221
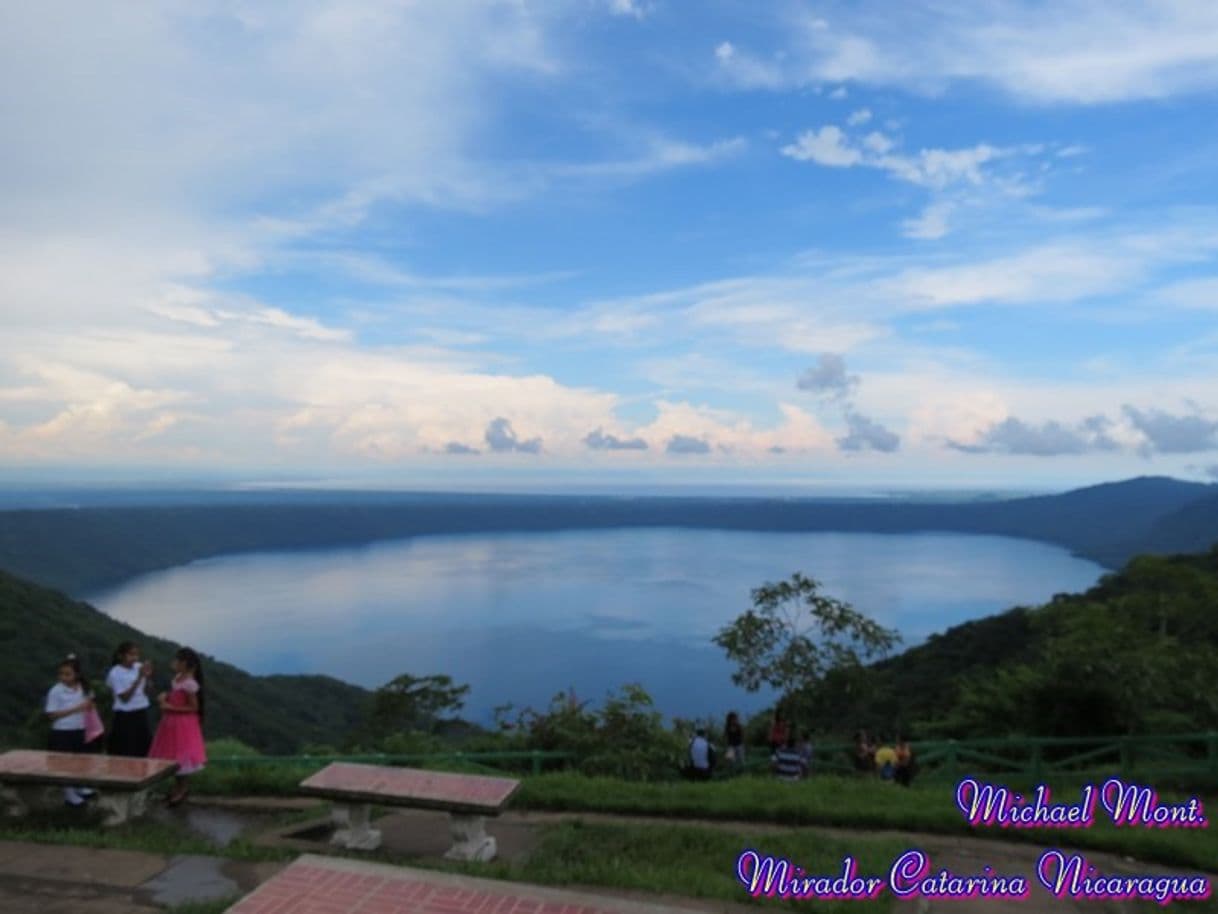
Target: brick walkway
322,885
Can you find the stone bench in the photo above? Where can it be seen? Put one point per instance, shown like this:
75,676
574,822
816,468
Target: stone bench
122,783
467,798
327,885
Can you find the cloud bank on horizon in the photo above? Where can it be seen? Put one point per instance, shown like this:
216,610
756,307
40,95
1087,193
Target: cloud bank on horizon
608,239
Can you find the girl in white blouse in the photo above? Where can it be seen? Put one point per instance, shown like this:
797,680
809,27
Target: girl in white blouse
128,680
66,704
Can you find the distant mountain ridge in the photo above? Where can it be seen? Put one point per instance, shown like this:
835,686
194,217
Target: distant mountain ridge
83,550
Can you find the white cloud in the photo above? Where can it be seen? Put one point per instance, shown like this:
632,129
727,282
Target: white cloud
1076,51
635,9
859,117
826,146
746,71
931,224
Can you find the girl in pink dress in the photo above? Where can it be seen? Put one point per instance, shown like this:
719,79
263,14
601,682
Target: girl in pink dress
179,737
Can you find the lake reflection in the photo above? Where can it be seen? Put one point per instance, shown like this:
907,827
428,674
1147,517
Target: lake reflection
522,616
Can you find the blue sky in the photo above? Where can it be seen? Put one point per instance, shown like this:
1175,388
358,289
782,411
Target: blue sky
610,241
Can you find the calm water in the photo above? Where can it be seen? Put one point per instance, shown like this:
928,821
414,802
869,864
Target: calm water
520,617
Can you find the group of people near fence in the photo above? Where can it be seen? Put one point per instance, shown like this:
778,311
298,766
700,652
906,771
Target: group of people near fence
891,760
76,724
791,757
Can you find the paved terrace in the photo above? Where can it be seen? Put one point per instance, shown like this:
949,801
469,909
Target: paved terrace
324,885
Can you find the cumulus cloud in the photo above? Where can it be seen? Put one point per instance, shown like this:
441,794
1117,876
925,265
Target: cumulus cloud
935,169
687,444
860,117
866,434
598,440
1166,433
828,377
501,438
456,447
1043,439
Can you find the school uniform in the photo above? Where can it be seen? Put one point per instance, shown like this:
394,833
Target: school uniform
130,734
67,732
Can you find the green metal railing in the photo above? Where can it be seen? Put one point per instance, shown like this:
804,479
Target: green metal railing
1187,755
534,758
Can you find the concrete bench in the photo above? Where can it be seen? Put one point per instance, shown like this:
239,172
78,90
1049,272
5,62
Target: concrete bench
122,783
467,798
327,885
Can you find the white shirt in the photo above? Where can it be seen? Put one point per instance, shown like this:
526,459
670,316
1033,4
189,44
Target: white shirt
60,698
699,753
120,679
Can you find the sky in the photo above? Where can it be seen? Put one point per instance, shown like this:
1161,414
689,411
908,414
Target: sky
497,243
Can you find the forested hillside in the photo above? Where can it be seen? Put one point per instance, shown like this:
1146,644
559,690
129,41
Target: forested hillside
1137,653
273,713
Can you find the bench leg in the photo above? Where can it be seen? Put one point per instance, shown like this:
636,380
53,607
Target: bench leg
357,835
470,840
121,808
19,799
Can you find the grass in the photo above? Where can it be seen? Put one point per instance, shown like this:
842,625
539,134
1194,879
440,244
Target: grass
825,800
83,829
680,860
855,804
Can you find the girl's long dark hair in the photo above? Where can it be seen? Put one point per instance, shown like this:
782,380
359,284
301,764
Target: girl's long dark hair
122,650
189,657
73,662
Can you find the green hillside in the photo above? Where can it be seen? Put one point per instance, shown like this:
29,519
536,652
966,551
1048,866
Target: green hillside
1137,653
276,714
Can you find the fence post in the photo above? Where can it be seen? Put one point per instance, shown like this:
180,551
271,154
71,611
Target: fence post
1038,768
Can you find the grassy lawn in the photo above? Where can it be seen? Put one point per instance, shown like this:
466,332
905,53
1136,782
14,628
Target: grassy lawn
687,860
825,800
77,829
856,804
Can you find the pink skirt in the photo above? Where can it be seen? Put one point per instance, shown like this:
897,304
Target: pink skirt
179,738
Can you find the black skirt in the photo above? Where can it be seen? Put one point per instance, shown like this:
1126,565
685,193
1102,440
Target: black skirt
66,741
129,734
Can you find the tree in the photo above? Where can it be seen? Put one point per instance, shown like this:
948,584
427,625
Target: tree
415,703
794,636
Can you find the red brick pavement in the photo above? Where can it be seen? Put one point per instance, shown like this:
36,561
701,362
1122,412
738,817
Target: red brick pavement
317,885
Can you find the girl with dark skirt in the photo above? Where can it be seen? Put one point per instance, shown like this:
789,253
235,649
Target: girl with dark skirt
127,679
68,701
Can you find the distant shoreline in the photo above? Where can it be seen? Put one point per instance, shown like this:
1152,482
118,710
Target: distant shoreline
85,549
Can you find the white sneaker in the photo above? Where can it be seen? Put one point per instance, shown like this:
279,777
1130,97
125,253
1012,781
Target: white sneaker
72,797
86,792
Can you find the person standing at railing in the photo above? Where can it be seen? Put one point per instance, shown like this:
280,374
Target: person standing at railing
787,763
780,731
864,753
886,761
905,763
701,756
733,738
128,679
